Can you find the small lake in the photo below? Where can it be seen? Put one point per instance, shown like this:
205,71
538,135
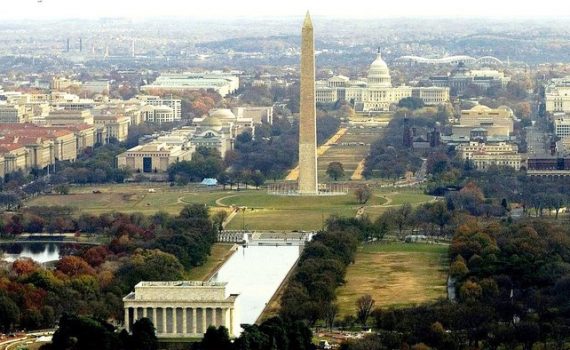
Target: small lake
255,273
39,252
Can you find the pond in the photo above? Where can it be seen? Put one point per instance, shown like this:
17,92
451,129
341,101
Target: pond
255,273
39,252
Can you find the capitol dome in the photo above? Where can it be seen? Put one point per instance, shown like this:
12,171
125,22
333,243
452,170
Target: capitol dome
379,74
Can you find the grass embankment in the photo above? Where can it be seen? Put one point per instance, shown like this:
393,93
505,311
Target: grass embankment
219,254
396,274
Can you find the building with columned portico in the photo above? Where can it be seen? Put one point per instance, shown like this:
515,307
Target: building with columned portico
182,309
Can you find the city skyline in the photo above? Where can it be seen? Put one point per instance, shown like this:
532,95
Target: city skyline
55,9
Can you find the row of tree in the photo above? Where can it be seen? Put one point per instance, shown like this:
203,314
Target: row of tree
93,280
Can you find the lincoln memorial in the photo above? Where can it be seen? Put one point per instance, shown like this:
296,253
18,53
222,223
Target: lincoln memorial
180,309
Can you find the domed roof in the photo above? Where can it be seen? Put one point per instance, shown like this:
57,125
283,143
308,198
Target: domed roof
223,114
379,74
212,122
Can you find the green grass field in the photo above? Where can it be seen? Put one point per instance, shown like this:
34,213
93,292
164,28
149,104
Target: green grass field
348,155
219,254
397,274
265,211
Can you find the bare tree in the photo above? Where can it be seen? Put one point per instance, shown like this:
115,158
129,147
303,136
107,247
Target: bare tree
362,194
364,306
330,313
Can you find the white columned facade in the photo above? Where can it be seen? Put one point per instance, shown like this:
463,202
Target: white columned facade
202,304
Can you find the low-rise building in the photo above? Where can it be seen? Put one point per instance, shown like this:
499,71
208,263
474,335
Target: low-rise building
152,157
182,309
69,117
483,155
12,114
222,83
174,104
496,122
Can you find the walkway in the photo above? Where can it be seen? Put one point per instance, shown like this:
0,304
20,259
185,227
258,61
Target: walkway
294,173
357,175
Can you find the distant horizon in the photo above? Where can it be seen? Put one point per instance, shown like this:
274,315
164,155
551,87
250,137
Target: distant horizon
22,10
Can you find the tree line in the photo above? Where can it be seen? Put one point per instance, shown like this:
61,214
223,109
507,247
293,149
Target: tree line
91,281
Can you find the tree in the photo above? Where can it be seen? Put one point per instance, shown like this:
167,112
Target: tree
411,103
216,339
144,336
9,200
62,189
364,306
330,313
9,313
219,218
402,217
335,170
362,194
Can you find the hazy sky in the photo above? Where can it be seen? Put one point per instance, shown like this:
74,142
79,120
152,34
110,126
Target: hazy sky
18,9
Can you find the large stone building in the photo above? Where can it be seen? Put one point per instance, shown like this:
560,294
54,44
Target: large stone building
182,309
495,122
12,114
174,104
153,157
27,146
375,93
216,130
557,95
157,114
463,77
222,83
483,155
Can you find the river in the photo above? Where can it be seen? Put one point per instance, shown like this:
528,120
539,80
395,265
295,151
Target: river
255,273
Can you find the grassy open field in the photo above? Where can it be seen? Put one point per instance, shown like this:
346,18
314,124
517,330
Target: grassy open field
395,198
264,211
218,255
349,150
396,274
290,213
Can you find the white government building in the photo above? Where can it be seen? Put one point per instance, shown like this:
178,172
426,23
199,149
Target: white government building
375,93
557,95
182,309
221,82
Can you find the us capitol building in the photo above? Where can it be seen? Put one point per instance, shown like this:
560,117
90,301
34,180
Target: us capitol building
375,93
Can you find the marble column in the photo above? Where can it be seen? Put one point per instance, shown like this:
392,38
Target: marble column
154,319
224,317
127,319
231,328
145,312
163,320
184,321
204,325
194,320
174,321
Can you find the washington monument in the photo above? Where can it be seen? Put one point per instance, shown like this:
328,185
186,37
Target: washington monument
307,123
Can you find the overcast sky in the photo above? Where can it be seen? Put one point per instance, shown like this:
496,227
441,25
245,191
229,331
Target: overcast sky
22,9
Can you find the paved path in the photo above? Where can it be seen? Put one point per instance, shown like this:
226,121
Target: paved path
294,173
357,175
